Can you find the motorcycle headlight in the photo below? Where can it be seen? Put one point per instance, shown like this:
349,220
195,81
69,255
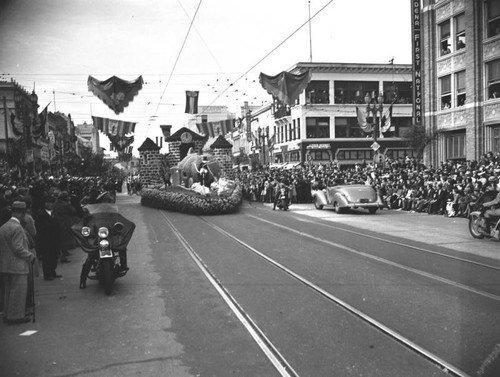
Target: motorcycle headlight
85,231
103,244
103,232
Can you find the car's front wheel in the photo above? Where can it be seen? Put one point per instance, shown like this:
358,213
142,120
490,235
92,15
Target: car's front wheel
337,208
317,205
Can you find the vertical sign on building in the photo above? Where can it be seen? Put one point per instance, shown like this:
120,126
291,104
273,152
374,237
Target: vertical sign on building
417,61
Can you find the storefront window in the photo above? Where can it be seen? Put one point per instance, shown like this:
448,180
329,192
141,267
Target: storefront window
355,154
495,138
398,92
455,146
318,92
318,128
353,92
347,127
294,156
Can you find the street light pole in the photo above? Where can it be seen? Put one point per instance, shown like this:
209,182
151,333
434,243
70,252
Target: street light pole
263,135
375,106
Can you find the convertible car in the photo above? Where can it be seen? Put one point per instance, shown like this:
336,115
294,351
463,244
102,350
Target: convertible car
343,197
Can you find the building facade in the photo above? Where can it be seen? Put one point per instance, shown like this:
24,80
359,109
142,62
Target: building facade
461,71
322,127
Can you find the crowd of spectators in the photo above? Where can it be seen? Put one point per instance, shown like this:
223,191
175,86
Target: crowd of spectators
404,184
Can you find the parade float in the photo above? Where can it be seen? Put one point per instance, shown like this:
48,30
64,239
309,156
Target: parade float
197,187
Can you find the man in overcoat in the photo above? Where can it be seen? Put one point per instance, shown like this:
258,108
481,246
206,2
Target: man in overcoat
48,239
15,259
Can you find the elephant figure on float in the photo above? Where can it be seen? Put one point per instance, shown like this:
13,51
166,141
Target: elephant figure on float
199,168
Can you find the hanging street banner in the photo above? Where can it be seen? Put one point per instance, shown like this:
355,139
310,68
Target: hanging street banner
285,86
115,92
113,127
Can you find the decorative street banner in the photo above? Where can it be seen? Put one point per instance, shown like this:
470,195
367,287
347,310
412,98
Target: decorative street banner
191,102
112,127
285,86
39,129
417,61
222,127
362,122
120,143
115,92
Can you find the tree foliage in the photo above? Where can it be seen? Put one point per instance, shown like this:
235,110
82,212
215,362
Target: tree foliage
418,138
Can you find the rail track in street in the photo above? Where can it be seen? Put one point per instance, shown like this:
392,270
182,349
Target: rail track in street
250,245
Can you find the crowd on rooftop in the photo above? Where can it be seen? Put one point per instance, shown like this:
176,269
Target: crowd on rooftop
404,184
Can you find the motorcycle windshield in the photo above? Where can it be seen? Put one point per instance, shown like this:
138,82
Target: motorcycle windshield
103,215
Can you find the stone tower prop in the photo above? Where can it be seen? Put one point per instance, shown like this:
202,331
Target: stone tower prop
150,162
222,150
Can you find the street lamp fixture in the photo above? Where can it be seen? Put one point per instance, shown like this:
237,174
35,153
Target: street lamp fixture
375,106
263,135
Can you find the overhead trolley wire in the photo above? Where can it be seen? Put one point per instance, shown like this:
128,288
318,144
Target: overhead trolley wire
270,52
176,61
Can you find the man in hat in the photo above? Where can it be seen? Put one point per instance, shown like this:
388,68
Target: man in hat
48,236
15,259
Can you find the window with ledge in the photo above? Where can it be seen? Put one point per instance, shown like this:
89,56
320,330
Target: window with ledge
460,31
318,128
445,37
397,92
318,92
353,92
493,17
493,69
460,88
445,86
347,127
455,146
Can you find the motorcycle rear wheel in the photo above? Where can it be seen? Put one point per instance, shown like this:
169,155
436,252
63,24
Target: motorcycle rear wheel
474,227
107,275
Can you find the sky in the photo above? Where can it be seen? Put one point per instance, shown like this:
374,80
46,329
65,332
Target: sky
217,47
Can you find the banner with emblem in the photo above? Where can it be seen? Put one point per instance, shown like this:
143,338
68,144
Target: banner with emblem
115,92
113,127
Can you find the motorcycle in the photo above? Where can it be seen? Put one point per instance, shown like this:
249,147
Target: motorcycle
479,226
104,235
283,199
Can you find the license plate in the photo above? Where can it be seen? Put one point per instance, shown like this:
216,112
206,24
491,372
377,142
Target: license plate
106,253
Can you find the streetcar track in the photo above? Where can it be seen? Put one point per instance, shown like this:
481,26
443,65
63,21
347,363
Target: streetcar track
271,352
444,255
385,261
436,360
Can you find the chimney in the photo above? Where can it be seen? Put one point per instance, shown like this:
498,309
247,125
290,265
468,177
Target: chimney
166,131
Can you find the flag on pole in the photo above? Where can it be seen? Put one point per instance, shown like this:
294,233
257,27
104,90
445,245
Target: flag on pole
191,102
362,122
387,120
40,128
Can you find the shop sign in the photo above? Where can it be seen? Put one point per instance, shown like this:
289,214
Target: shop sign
293,146
417,62
318,146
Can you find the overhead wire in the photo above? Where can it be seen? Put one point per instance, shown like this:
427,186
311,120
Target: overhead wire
270,52
176,61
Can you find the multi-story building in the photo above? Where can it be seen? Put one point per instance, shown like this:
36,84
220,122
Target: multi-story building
461,71
90,134
322,127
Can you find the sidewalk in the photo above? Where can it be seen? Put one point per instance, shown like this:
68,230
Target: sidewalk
451,233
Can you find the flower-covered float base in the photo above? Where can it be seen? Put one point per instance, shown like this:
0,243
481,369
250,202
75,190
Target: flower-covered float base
181,199
198,189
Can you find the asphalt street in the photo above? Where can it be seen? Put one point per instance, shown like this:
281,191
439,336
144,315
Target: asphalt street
166,317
